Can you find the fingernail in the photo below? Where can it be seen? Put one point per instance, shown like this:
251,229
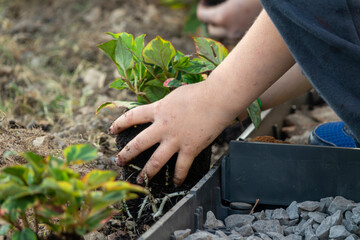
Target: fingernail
111,129
139,180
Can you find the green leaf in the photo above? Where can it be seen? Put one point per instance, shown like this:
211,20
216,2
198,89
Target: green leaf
4,229
118,104
210,49
96,178
80,153
172,82
154,90
139,46
119,84
123,55
11,189
97,219
159,52
183,62
109,49
192,78
196,66
254,112
22,203
17,171
25,234
36,162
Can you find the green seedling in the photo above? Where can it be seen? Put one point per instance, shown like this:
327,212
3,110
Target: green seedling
152,71
46,191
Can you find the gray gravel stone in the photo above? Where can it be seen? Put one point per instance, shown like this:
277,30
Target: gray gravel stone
351,237
356,215
265,226
309,206
327,201
181,234
293,222
245,230
275,235
253,238
95,236
212,222
281,215
236,236
338,232
317,216
238,220
221,235
201,235
293,210
259,215
300,229
310,234
304,215
264,236
315,226
348,215
351,226
340,203
289,230
293,237
323,230
268,214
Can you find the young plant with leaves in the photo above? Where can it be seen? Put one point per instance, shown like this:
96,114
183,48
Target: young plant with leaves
152,71
47,192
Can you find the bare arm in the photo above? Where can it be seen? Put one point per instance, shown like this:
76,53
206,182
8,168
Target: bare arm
192,116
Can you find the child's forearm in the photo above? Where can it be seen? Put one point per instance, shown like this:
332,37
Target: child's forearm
259,59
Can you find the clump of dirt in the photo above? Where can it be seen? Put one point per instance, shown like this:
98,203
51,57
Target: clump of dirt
267,139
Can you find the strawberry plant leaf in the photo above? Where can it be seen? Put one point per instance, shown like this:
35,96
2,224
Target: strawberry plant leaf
172,82
159,52
212,50
17,171
109,49
138,46
154,90
96,178
119,84
123,56
254,112
197,66
4,229
36,162
25,234
118,104
80,153
192,78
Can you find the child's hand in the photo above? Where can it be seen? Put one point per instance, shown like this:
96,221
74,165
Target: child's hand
185,121
231,18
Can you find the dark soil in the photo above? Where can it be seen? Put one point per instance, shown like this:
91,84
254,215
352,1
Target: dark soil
162,183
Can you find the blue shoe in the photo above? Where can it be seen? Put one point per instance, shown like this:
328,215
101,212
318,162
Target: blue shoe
332,134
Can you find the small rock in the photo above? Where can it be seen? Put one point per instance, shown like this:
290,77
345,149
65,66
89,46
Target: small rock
95,236
94,78
315,226
253,238
327,201
340,203
293,237
293,222
201,235
322,231
351,237
356,215
268,214
111,236
212,222
259,215
338,232
317,216
238,220
351,226
181,234
265,226
281,215
309,206
235,236
275,235
221,235
289,230
264,236
5,70
39,141
304,215
303,225
245,230
309,234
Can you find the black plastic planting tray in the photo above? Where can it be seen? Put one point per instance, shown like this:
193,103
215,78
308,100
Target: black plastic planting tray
276,174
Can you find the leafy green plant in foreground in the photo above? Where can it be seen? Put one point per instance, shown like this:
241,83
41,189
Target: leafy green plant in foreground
46,191
152,71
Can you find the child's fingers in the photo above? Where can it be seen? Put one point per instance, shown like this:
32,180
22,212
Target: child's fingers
138,115
183,164
144,140
161,155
